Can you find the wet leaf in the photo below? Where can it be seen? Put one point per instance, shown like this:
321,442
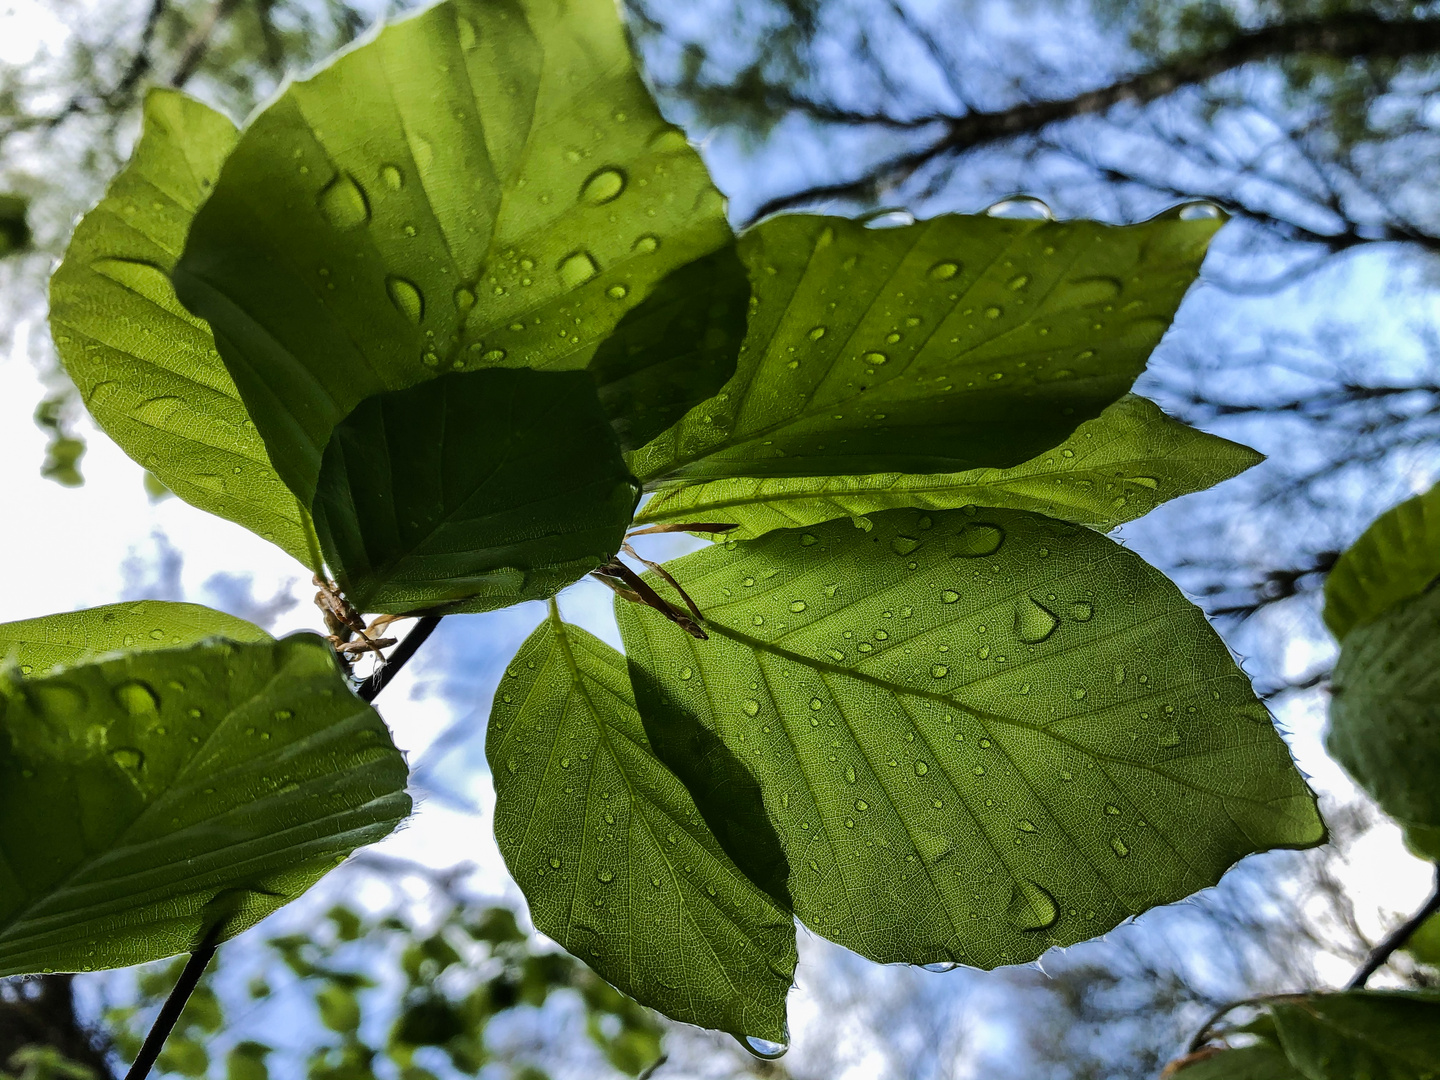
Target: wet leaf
482,184
1397,557
1113,469
472,492
952,344
1009,728
148,797
37,645
608,848
147,369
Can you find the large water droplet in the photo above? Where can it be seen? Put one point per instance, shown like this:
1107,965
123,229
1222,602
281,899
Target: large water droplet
941,966
141,277
576,269
1200,210
646,244
1023,208
763,1048
392,177
1031,907
406,298
157,410
1082,611
603,186
136,697
57,700
343,202
977,540
1034,622
1084,291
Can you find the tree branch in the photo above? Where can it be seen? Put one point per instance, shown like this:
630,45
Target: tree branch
1396,938
1340,37
381,676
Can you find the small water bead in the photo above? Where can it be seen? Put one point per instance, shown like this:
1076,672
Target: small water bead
807,540
603,186
921,768
1120,847
978,540
994,312
939,671
576,268
1032,907
904,545
751,707
1078,693
1112,809
617,292
687,674
406,297
1034,622
1081,611
1200,211
949,596
128,758
797,606
940,967
136,698
944,271
876,358
392,177
555,862
343,202
816,333
1021,208
605,877
861,805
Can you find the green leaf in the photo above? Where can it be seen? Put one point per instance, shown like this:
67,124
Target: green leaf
473,491
1113,469
674,350
1009,728
1362,1034
1397,557
39,644
1385,713
956,343
608,847
484,183
1424,943
146,368
1262,1062
148,797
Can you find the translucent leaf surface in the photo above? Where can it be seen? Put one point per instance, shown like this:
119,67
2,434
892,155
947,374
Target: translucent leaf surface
1385,713
146,368
37,645
608,847
1361,1034
484,183
952,344
676,349
1010,729
472,492
1113,469
1398,556
147,797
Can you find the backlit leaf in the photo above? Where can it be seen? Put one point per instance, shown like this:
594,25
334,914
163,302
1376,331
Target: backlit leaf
1361,1034
608,847
39,644
473,491
148,369
1113,469
952,344
483,184
1398,556
148,797
1263,1062
1385,713
1011,729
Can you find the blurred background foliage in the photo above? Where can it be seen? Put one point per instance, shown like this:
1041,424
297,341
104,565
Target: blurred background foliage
1314,123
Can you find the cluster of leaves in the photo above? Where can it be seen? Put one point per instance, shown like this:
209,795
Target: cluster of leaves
460,972
1382,606
434,322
